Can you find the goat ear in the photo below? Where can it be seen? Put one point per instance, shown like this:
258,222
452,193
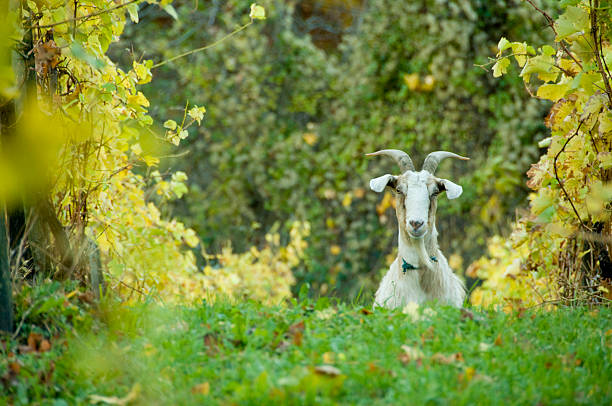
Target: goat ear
453,190
379,184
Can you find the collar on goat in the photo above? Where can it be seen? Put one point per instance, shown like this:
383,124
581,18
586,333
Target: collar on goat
409,267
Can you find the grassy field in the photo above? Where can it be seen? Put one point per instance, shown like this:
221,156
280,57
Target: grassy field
313,353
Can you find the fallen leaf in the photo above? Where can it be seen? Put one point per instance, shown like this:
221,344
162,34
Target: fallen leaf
498,341
15,367
466,314
300,326
365,311
24,349
283,345
298,338
484,346
114,400
44,346
467,375
201,389
428,335
211,342
410,354
33,340
327,370
443,359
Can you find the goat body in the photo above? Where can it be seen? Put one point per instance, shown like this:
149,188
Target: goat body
431,281
420,273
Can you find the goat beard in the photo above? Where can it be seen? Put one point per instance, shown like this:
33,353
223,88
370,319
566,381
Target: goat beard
423,255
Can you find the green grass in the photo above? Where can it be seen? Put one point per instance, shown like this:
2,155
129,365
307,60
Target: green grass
245,353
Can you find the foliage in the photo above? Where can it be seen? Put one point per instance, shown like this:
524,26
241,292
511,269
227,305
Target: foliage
96,153
311,352
563,244
263,275
104,134
290,124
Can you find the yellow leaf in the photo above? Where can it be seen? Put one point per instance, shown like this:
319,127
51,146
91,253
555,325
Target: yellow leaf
310,138
142,72
150,160
553,92
469,373
500,67
335,249
520,52
412,81
328,357
346,201
428,83
136,149
138,99
257,12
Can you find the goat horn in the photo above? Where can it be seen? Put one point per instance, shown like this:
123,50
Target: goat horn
402,158
431,162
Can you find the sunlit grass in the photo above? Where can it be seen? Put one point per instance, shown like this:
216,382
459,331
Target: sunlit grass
246,353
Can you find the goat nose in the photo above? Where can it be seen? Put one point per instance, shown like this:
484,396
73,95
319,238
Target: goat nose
416,224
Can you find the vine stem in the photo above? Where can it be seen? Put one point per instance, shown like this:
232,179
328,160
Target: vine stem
88,16
597,43
193,51
551,23
559,180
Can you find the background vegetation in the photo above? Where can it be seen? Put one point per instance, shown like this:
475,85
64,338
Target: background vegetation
290,121
172,174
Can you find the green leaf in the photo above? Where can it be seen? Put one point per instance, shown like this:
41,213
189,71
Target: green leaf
170,10
520,52
541,65
574,20
503,44
81,53
133,11
548,50
170,124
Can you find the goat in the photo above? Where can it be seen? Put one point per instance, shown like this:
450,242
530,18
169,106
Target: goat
420,273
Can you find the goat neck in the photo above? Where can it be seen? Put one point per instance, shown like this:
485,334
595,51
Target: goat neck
418,252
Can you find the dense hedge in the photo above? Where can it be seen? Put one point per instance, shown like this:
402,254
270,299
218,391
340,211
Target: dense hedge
288,123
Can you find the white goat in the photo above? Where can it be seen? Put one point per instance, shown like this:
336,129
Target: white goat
420,273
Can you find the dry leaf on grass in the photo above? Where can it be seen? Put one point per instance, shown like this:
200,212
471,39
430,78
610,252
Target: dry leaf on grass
201,389
443,359
327,370
114,400
410,354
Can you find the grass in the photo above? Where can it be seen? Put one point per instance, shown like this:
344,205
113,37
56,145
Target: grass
316,353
